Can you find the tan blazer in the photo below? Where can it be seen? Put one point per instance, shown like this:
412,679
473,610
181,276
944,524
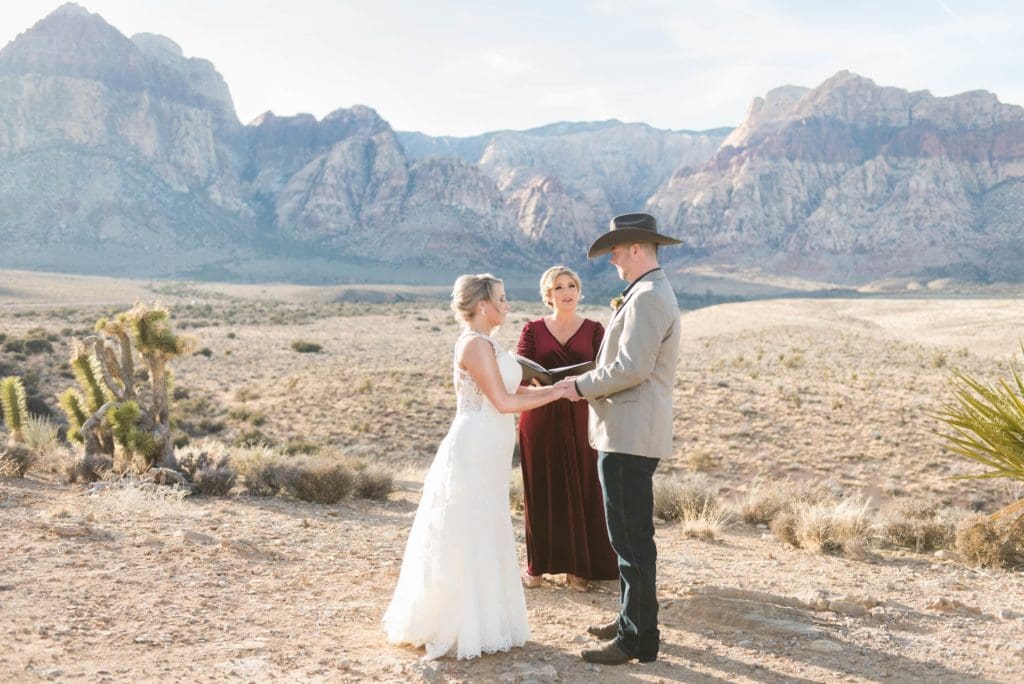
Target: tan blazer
630,391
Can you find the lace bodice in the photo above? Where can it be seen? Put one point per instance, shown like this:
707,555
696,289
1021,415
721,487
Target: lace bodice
469,397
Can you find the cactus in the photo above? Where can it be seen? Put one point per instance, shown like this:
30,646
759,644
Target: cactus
15,406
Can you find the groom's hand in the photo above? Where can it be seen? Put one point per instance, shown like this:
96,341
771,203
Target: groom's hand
568,387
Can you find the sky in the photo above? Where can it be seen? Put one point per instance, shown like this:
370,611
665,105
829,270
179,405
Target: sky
447,67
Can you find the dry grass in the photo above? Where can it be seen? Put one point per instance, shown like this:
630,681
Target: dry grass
15,460
516,492
372,481
317,480
40,435
88,468
922,524
828,527
991,543
692,500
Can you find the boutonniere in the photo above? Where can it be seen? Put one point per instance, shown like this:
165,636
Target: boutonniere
617,302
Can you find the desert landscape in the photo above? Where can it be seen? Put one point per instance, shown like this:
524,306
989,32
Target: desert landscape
122,580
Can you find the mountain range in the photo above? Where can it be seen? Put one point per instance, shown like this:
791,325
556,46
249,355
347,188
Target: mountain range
120,155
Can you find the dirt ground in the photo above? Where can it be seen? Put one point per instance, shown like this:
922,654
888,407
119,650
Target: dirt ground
129,584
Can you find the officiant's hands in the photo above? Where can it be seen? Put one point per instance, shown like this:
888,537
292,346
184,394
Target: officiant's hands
568,387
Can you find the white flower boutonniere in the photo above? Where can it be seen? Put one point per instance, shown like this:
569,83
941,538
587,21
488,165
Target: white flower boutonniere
617,302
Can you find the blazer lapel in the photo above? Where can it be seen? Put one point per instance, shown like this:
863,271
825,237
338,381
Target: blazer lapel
632,291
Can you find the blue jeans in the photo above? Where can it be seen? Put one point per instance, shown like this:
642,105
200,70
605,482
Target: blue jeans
628,487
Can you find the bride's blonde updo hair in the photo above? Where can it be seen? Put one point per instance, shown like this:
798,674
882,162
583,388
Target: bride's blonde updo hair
470,290
547,283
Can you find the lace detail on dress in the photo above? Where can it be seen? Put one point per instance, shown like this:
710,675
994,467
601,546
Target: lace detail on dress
468,396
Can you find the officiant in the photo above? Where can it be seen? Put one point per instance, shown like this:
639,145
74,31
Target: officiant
564,509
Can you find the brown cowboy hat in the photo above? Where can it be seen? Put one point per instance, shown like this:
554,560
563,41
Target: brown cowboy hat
629,228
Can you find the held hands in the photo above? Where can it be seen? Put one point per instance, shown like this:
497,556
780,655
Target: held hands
567,389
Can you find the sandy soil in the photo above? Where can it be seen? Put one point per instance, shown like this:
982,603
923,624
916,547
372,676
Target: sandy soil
127,584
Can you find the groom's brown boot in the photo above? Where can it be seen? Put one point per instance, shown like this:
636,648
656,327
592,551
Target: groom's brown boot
605,632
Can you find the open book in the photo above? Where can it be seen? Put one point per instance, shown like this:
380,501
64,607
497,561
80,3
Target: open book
549,376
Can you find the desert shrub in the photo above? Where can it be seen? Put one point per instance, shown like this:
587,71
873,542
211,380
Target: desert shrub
37,346
304,347
209,467
15,460
205,351
88,468
41,435
677,498
994,543
260,467
301,446
692,500
827,526
372,481
252,438
318,480
764,501
920,524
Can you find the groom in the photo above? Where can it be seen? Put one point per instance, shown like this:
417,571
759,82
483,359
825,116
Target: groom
630,396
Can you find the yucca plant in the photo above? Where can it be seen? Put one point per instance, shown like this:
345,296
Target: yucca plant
15,406
987,423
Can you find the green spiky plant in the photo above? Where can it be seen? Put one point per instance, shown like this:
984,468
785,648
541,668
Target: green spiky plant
111,409
74,408
987,423
15,406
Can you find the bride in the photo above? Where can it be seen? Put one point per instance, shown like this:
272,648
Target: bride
459,590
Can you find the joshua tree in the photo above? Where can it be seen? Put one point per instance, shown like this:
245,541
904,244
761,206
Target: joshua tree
15,407
111,409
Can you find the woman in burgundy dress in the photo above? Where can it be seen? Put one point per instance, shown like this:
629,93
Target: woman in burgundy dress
565,525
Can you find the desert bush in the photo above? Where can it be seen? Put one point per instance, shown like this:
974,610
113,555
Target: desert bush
991,542
259,466
40,435
318,480
764,501
15,460
300,446
693,501
826,527
209,466
372,481
89,467
920,524
304,347
680,498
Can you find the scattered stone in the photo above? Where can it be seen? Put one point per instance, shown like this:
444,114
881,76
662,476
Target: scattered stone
98,487
953,607
659,521
825,646
945,554
847,609
1016,648
1004,613
197,538
530,672
152,540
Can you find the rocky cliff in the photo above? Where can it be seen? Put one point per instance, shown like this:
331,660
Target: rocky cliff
122,155
852,181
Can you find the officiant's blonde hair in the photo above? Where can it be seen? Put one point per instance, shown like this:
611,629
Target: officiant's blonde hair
470,290
547,283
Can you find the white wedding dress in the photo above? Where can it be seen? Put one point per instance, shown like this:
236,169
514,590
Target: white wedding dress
459,590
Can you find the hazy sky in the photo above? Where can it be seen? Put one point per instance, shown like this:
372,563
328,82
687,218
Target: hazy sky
461,68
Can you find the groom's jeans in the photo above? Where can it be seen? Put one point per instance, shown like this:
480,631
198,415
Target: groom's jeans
627,482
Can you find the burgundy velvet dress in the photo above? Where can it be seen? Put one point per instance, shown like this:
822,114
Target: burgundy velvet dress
565,525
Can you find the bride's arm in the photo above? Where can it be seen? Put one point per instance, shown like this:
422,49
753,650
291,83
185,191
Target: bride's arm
477,357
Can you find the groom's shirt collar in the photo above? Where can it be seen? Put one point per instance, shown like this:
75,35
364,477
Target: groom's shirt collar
630,286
